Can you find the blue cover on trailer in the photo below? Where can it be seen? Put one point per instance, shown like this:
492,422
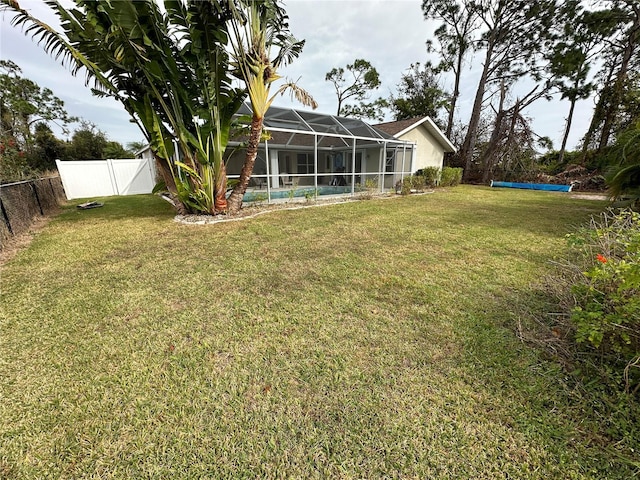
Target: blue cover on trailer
533,186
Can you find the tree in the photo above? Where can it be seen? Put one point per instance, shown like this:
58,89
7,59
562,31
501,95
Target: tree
362,79
420,94
570,59
624,178
514,34
26,107
621,56
116,150
24,104
88,142
135,147
456,38
13,161
511,148
46,149
170,69
373,110
257,26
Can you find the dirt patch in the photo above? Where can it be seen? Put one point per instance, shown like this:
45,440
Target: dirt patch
589,196
22,240
253,211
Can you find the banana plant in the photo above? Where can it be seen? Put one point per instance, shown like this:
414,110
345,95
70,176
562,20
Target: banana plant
169,67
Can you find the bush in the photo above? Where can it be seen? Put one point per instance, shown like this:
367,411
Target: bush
450,177
412,183
430,175
604,271
370,188
418,183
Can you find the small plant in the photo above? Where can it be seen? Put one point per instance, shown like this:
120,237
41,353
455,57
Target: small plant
260,198
309,195
407,183
450,177
370,186
605,278
291,193
419,183
412,184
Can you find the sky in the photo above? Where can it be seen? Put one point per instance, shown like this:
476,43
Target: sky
390,34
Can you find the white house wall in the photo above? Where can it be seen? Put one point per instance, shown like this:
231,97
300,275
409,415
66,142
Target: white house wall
429,152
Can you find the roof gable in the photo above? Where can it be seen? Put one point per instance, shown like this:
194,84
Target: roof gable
400,127
394,128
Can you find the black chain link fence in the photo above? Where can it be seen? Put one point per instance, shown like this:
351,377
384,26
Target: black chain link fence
23,202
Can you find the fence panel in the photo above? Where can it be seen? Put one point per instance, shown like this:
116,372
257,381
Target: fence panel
133,177
22,202
46,197
105,178
20,206
83,179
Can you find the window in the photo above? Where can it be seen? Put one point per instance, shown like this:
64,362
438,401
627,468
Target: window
305,163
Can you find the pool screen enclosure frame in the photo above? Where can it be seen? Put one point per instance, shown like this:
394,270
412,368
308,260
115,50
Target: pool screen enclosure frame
291,130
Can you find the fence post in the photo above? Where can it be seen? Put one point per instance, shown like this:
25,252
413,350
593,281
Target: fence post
5,216
112,175
35,194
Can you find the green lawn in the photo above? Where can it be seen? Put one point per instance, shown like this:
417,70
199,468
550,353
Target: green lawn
361,340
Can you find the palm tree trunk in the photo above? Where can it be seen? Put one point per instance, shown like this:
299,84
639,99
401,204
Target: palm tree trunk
234,202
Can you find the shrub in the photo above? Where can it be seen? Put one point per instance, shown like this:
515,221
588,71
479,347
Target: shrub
605,277
407,185
412,183
370,187
450,177
430,176
418,183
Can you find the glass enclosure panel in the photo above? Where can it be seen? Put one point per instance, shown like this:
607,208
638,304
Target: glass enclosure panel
323,123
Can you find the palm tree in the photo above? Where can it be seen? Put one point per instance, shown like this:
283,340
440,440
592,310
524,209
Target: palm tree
170,69
256,27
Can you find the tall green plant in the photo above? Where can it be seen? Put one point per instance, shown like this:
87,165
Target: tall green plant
169,67
625,178
257,27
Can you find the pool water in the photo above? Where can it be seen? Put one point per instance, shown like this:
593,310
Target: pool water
298,192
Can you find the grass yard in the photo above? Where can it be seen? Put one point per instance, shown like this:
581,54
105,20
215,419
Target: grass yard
361,340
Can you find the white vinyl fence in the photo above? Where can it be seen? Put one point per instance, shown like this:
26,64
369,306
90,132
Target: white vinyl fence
105,178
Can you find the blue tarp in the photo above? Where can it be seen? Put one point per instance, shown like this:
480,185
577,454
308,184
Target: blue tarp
533,186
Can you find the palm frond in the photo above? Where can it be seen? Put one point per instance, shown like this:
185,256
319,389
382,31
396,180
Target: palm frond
55,44
298,93
624,181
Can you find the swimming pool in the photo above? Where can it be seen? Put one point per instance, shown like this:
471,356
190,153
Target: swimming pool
257,196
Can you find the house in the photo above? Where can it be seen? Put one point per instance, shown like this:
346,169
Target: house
323,154
430,142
